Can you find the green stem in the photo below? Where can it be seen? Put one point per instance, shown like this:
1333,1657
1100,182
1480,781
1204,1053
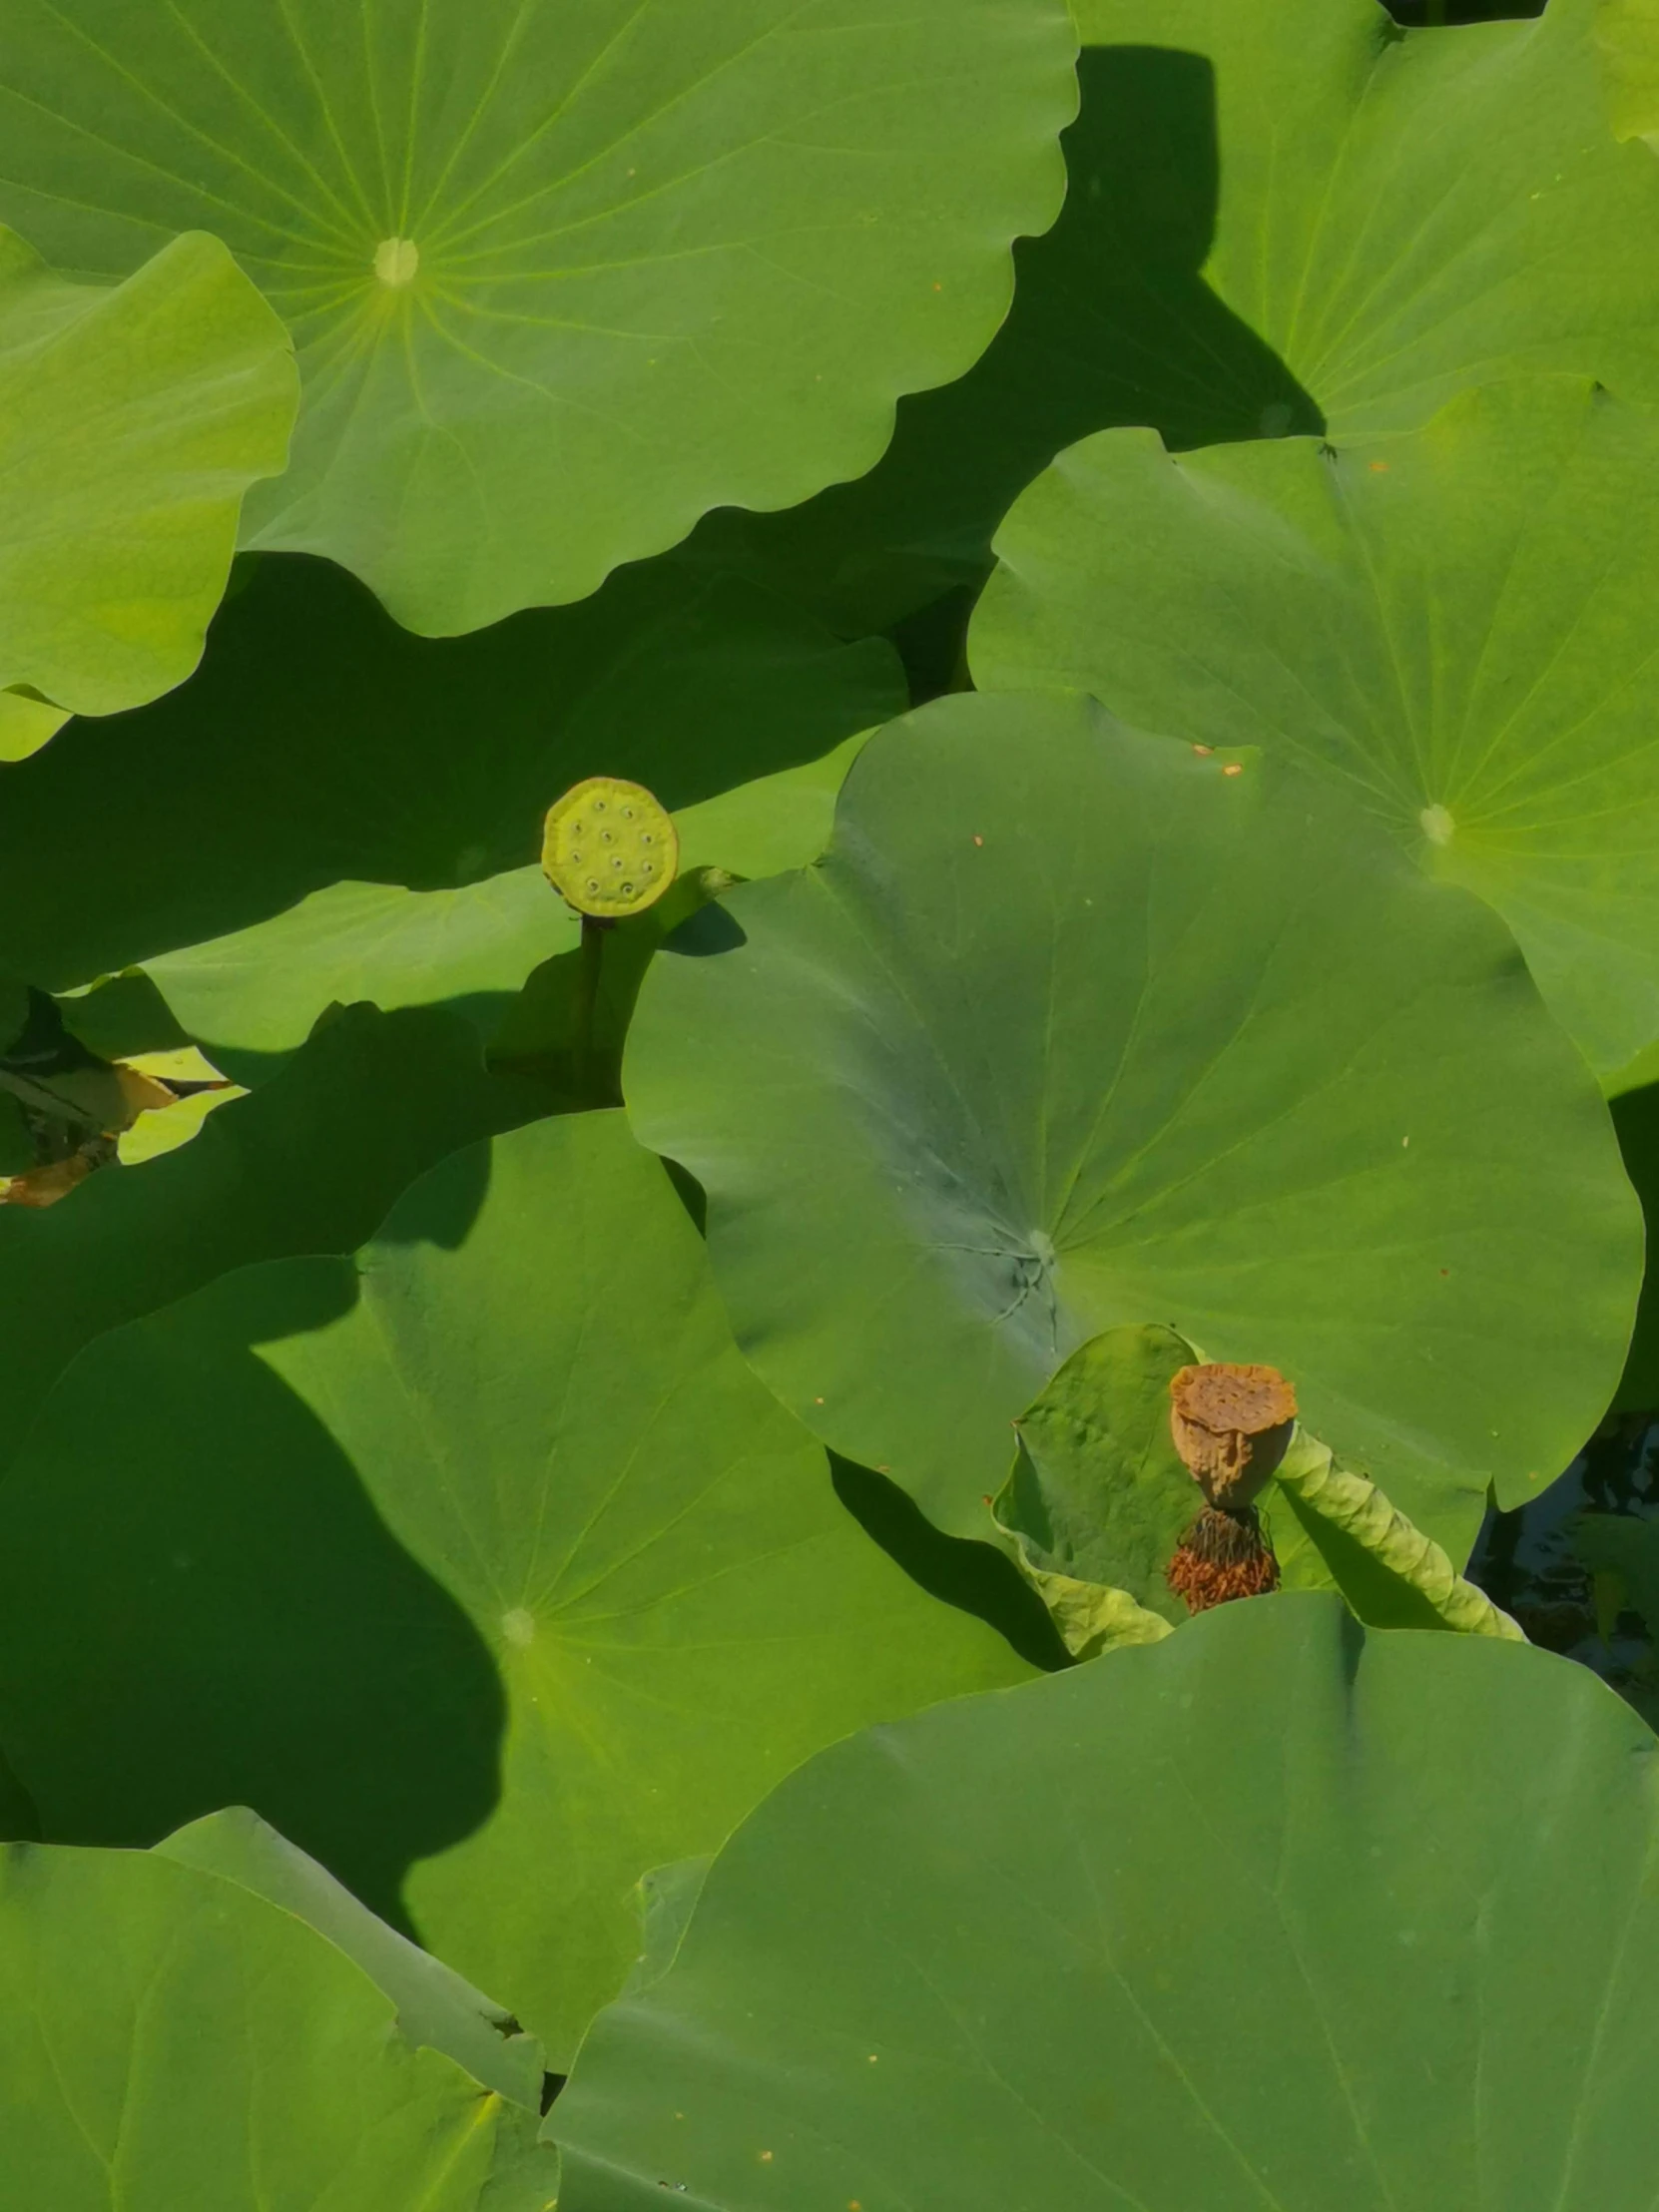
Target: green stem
587,998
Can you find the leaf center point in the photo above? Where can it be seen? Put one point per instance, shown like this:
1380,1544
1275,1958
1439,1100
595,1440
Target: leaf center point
1437,825
395,261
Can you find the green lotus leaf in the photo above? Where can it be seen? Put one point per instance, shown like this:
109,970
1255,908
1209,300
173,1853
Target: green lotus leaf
308,1164
1628,34
776,823
167,2039
1098,1497
480,1561
1453,621
1279,1912
374,832
133,418
1400,213
560,279
667,1896
1277,217
1073,1026
257,991
436,2010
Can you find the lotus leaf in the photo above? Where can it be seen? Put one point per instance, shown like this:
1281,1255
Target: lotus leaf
1402,213
436,2010
373,832
1454,621
133,418
1279,1912
1628,32
1279,217
1099,1499
561,277
484,1550
169,2039
310,1163
257,991
1072,1027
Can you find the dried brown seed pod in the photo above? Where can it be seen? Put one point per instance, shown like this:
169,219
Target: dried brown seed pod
1221,1557
1231,1426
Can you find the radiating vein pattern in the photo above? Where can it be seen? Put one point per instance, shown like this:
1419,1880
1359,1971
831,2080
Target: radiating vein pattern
562,276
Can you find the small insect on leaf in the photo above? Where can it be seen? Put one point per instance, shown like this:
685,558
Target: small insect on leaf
608,847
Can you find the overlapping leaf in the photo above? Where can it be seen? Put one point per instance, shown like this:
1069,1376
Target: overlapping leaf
170,2038
1278,218
1276,1911
484,1550
1453,621
1403,212
561,277
1073,1028
436,2010
133,418
308,1165
333,810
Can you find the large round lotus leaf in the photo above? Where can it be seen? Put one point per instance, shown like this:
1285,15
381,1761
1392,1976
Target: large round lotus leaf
1277,214
361,835
1277,1915
132,421
561,277
308,1164
484,1549
1454,621
169,2040
1072,1027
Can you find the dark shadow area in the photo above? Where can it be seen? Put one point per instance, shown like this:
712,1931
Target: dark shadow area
311,1163
711,930
19,1822
1534,1562
690,1194
975,1578
1112,323
1636,1121
200,1606
932,644
1433,14
320,743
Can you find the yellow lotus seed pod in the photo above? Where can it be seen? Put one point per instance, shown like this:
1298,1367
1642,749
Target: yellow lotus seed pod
608,847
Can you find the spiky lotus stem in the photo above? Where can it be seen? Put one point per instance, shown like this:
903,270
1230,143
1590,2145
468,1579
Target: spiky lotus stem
1222,1556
